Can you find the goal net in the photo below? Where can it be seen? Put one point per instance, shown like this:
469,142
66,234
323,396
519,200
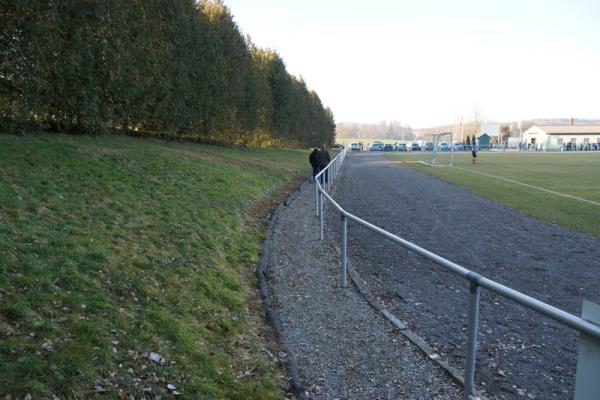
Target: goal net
441,150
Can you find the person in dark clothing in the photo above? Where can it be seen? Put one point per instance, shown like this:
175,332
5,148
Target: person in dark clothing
323,159
314,163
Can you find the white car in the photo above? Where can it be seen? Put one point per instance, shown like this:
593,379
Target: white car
354,147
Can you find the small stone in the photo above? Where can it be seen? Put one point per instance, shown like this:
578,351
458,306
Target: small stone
48,346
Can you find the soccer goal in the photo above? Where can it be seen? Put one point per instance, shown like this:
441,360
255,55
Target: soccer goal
442,153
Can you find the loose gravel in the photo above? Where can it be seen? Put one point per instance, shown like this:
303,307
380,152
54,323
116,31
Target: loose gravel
344,348
521,354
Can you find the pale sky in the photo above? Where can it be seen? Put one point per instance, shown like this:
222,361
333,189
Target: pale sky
427,62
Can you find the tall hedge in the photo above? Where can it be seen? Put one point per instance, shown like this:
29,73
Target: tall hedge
177,68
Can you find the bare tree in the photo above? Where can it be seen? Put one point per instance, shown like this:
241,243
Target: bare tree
477,120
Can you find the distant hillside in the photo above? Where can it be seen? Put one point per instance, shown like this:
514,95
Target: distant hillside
395,130
382,130
472,128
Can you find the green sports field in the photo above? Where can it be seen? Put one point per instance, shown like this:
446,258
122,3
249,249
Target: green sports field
562,188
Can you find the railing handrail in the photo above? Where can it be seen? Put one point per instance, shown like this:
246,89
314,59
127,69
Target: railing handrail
336,166
476,280
555,313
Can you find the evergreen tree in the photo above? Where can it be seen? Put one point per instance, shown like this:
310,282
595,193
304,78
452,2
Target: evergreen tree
138,66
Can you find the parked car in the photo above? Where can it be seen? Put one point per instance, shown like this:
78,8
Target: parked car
428,146
375,146
443,147
415,147
388,147
354,147
458,146
401,147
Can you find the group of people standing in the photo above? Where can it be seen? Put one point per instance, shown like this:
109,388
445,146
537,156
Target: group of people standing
319,158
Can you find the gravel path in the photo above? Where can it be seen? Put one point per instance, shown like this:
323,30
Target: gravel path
345,349
521,354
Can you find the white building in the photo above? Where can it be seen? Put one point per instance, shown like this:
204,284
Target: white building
554,137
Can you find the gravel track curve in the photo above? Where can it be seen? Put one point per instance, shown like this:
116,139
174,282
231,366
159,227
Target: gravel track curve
344,348
521,354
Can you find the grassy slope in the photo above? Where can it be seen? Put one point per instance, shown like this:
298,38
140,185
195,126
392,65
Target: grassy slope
575,174
113,247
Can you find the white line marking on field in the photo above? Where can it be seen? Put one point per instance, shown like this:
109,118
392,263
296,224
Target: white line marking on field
532,186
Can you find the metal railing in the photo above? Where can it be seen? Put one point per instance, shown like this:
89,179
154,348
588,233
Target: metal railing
476,281
324,181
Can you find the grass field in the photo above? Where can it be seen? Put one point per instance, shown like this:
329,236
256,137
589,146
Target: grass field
114,248
495,176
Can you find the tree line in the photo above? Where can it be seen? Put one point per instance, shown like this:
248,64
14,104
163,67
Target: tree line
169,68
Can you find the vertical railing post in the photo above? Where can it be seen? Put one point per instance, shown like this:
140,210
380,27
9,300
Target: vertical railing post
321,213
344,249
334,170
316,196
474,295
332,173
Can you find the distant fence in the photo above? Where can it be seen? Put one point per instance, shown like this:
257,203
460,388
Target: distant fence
476,281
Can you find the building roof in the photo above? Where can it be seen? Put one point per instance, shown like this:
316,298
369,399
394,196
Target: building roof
570,129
